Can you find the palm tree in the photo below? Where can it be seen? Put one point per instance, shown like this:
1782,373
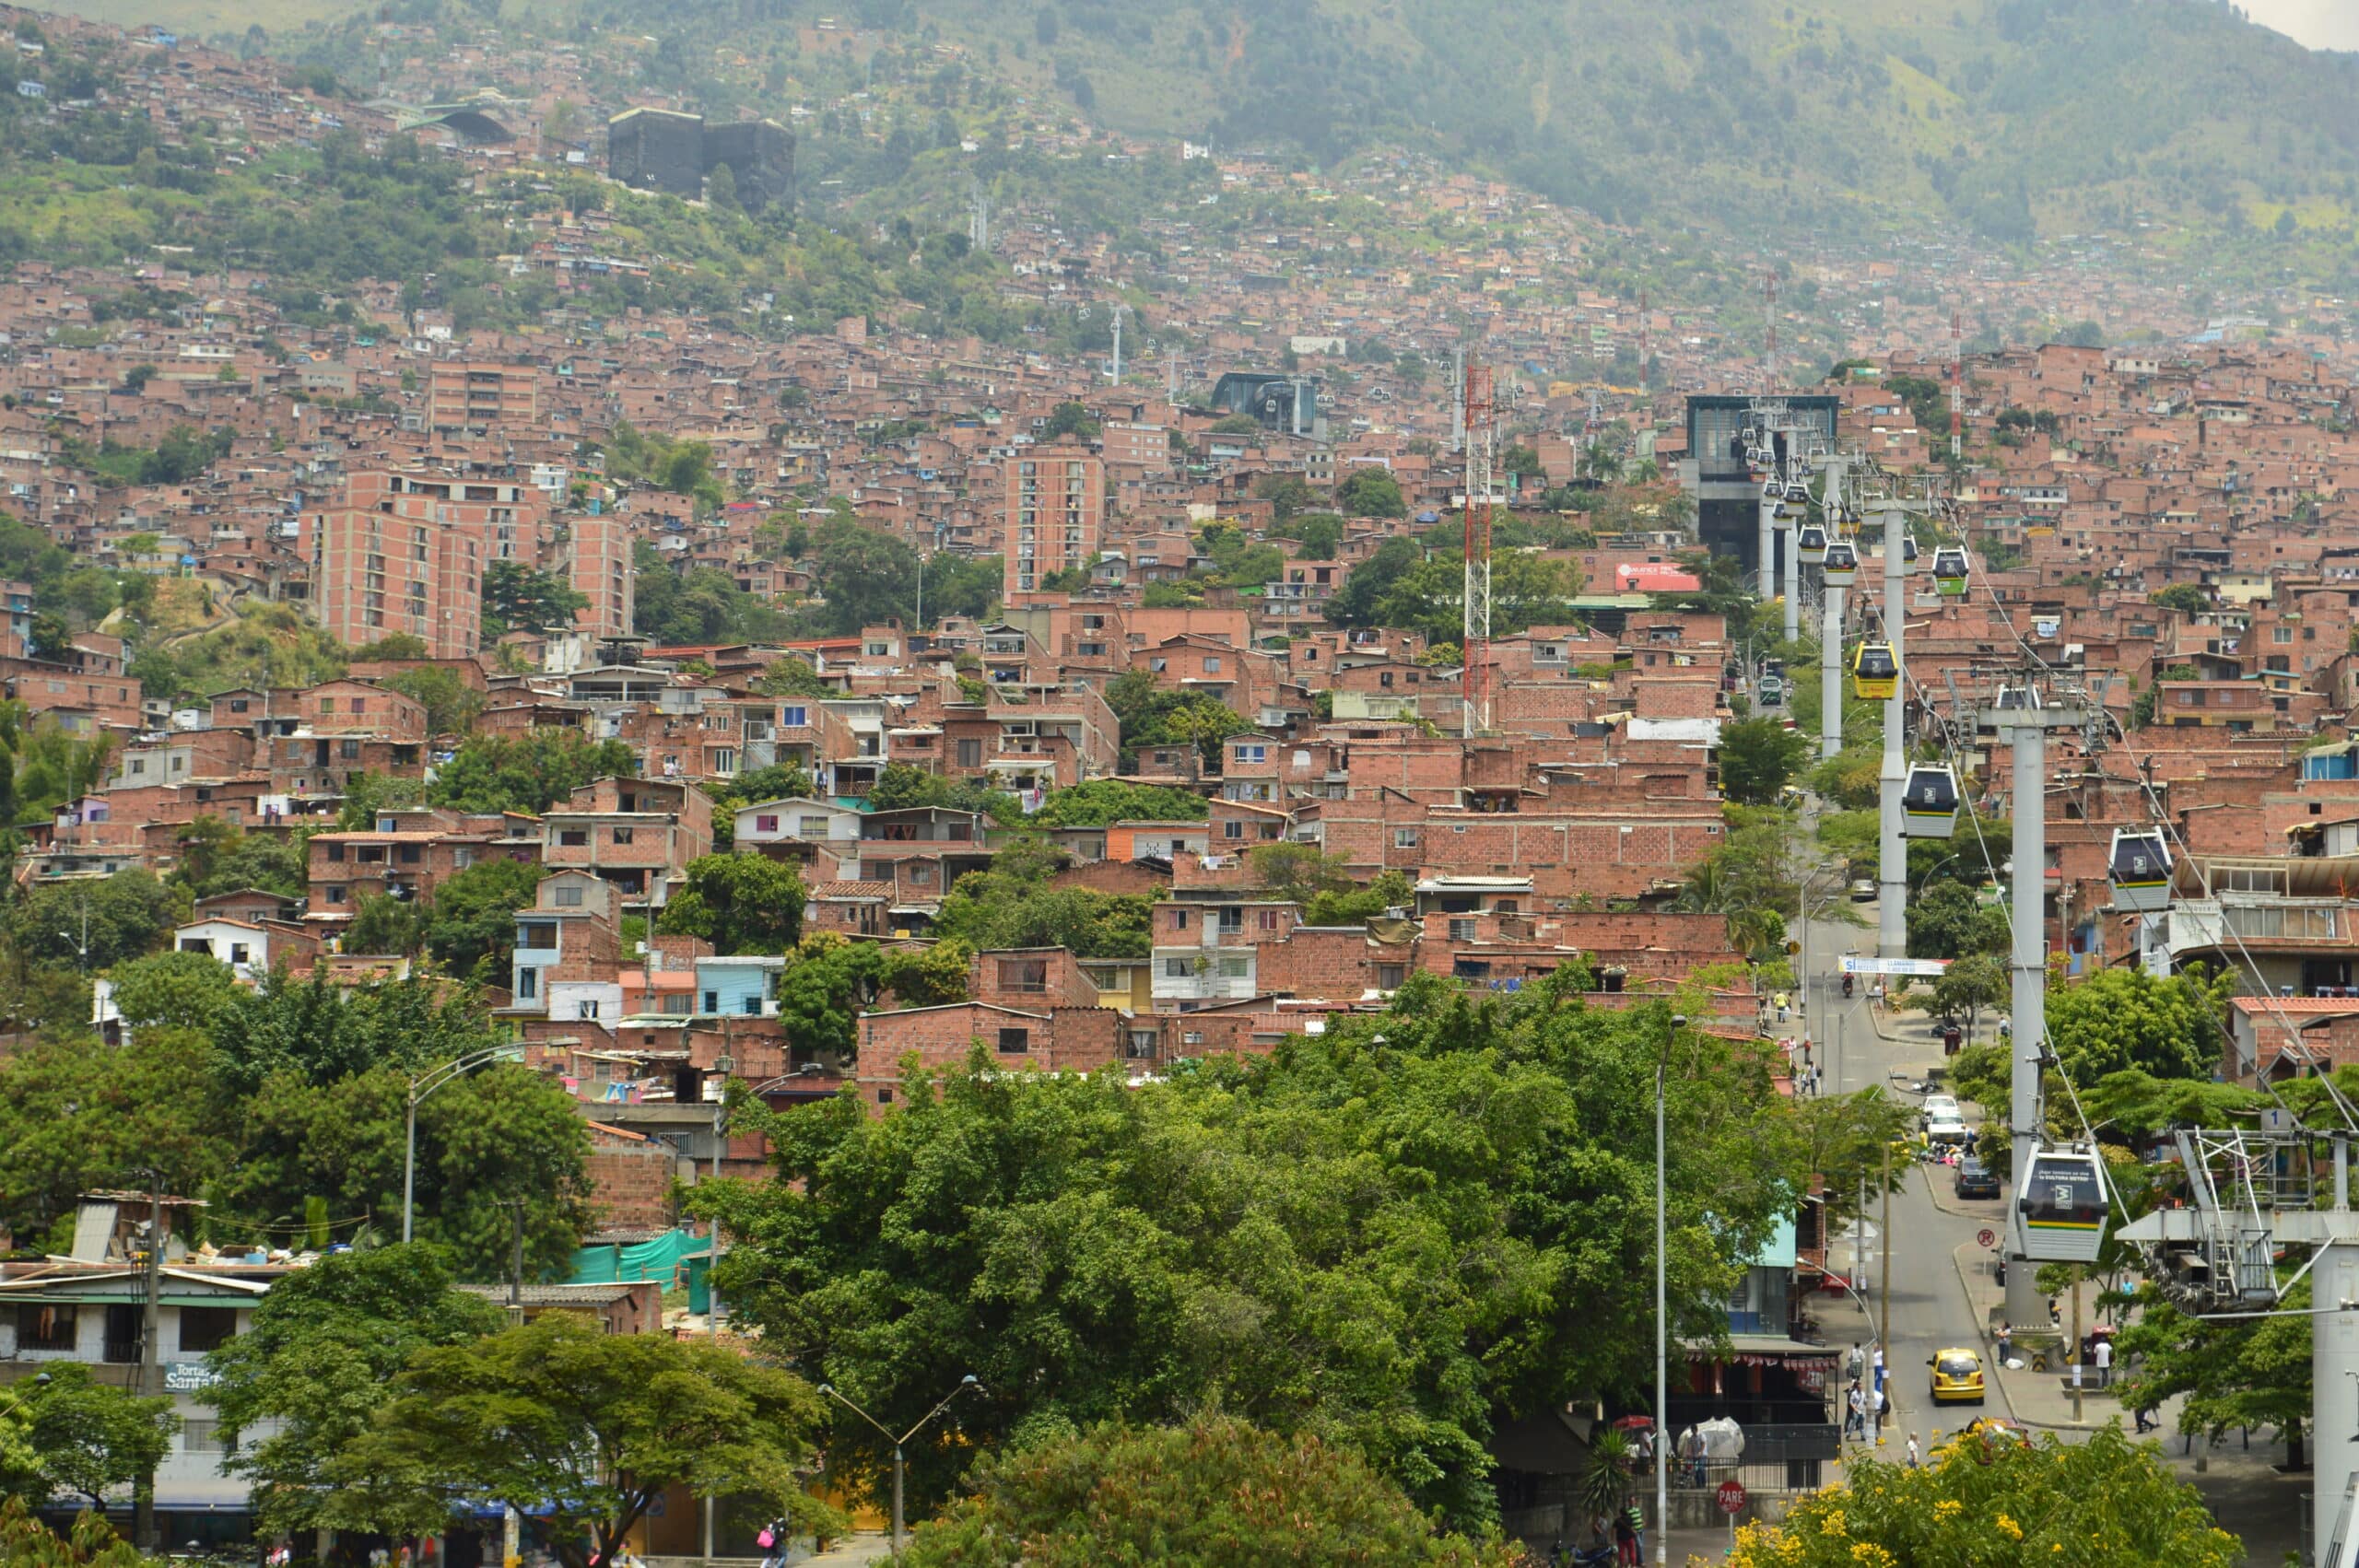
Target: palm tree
1600,463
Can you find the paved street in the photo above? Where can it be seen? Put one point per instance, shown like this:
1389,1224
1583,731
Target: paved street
1943,1289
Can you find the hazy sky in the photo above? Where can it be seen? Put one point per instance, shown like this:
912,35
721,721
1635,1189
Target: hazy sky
2321,24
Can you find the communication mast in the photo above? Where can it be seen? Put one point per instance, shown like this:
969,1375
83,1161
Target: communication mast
1769,290
1474,645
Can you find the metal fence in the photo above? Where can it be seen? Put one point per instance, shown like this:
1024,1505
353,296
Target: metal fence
1776,1459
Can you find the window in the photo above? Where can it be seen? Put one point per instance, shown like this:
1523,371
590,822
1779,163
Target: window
1265,919
712,1001
1179,919
1232,921
1462,931
810,826
1252,754
1158,665
1212,664
1389,976
797,716
1141,1043
752,1007
335,851
766,823
240,953
336,895
1232,830
567,895
586,1010
1233,967
1014,1042
574,837
207,1328
44,1326
884,1096
528,984
349,749
239,704
2281,634
409,854
1404,838
1179,968
622,835
970,753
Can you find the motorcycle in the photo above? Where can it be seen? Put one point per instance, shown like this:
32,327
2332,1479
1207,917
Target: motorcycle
1849,984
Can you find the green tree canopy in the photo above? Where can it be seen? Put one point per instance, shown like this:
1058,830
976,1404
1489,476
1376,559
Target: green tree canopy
1012,905
2187,598
319,1362
1759,758
470,924
1391,1242
93,1437
532,772
183,990
1355,604
1185,1497
2120,1019
518,598
1103,801
739,903
452,705
558,1415
125,915
1370,491
1950,921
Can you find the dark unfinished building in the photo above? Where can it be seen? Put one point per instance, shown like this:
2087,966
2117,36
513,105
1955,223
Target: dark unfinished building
661,149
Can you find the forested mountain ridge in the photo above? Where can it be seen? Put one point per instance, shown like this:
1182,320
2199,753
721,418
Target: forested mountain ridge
2009,116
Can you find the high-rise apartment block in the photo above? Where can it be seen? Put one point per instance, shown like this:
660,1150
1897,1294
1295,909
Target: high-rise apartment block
467,395
1056,502
597,567
406,554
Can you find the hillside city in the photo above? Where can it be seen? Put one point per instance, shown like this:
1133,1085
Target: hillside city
839,815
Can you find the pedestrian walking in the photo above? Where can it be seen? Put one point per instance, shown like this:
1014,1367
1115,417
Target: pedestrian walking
2105,1362
1636,1517
2145,1415
1857,1365
1785,1006
2005,1337
1915,1458
1855,1417
1625,1539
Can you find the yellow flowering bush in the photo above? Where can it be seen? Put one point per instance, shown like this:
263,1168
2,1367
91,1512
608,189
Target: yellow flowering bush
2109,1502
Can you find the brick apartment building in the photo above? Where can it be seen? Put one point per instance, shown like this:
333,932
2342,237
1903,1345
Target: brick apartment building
406,554
1056,498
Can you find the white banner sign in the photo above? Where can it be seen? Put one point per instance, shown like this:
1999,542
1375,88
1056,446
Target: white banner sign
1927,967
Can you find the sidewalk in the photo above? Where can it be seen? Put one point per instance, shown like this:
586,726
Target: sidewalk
861,1548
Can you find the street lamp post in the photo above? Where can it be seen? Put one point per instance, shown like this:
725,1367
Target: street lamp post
969,1381
1663,1319
421,1086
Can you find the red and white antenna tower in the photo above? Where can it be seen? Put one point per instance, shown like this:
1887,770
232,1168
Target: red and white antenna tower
1957,389
1474,645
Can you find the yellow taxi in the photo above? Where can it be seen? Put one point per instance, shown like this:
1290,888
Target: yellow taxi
1957,1374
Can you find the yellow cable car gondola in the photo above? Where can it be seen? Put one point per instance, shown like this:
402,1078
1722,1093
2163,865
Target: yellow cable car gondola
1875,675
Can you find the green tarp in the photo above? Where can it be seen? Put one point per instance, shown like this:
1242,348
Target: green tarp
661,1259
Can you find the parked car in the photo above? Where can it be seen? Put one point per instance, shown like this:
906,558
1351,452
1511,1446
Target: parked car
1863,892
1975,1179
1945,1129
1939,1104
1958,1376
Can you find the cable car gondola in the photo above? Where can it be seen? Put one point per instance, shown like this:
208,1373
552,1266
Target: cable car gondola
1875,675
1840,564
1951,570
1810,543
1797,492
2061,1210
1929,802
1909,552
2140,868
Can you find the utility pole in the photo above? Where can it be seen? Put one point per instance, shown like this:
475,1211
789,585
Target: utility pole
1892,849
516,1274
1474,646
1662,1313
1884,1283
1765,578
1792,527
151,1379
